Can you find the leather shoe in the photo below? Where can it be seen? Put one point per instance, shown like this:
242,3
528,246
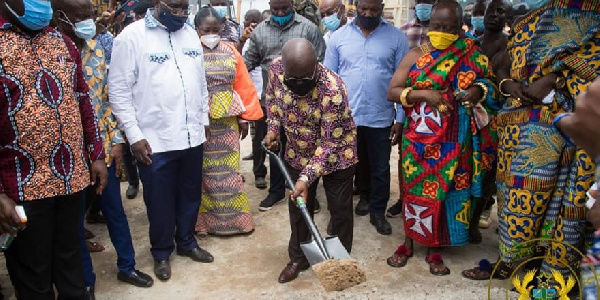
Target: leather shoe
381,224
197,254
162,269
362,207
89,293
131,192
136,278
291,271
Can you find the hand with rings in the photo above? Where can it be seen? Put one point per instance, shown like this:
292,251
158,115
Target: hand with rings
516,102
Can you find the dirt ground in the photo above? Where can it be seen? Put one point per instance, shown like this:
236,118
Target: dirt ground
247,267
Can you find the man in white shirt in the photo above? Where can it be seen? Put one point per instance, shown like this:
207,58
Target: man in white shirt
157,89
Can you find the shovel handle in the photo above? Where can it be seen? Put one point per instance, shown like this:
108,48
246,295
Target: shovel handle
299,202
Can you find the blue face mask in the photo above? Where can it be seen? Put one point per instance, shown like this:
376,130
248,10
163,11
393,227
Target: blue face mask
332,22
535,4
37,16
85,29
477,23
282,20
221,10
423,11
171,21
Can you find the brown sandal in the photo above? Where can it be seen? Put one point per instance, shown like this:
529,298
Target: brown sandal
401,253
93,246
484,271
435,262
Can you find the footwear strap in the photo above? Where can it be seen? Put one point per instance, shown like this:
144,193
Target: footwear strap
435,258
403,251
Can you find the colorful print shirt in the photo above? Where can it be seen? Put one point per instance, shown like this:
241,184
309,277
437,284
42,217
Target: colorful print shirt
48,130
231,31
95,72
319,126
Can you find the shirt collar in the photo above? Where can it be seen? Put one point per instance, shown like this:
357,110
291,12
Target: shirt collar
151,21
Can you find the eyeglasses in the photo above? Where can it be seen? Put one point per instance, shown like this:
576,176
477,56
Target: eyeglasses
301,79
177,11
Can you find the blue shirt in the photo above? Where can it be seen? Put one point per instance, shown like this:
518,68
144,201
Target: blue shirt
366,65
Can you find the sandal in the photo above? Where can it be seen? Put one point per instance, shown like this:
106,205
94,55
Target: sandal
435,263
401,253
484,271
94,247
89,234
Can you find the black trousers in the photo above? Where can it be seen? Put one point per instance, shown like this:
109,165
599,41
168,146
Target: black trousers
46,254
338,190
131,170
374,149
258,162
276,181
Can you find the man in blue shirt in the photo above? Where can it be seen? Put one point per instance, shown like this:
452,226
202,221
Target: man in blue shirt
366,53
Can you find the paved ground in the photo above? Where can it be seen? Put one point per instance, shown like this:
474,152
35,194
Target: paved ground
247,267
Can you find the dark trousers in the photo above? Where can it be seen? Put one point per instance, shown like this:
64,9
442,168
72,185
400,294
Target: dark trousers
47,252
130,166
111,206
374,150
338,190
258,162
172,193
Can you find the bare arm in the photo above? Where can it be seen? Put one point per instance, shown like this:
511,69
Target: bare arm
398,82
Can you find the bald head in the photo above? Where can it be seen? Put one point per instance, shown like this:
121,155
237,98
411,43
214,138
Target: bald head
299,58
446,14
330,7
331,3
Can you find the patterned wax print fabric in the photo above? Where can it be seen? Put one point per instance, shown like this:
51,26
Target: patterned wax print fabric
224,208
441,155
48,132
542,180
95,73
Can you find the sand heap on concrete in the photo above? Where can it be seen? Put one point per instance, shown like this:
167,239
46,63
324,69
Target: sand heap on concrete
339,274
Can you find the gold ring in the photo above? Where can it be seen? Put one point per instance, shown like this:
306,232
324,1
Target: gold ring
516,102
467,104
442,108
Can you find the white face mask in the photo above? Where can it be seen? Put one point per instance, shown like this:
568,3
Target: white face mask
210,40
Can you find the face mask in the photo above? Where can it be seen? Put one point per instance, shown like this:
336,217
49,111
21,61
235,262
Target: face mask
423,11
210,40
441,40
535,4
331,22
368,23
85,29
221,10
282,20
301,88
37,16
477,23
171,21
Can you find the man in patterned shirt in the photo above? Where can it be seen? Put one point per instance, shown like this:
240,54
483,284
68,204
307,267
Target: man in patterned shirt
69,16
50,151
231,31
311,105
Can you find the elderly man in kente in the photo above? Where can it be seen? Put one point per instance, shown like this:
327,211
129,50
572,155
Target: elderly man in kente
443,86
542,180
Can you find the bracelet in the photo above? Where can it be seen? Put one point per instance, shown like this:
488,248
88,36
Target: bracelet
500,86
485,91
404,95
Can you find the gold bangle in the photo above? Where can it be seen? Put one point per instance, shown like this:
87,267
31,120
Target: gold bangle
485,91
500,86
404,95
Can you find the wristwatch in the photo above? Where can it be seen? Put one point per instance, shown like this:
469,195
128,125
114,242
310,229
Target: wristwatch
560,82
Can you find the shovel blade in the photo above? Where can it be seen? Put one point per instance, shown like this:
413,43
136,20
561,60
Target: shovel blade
335,249
311,251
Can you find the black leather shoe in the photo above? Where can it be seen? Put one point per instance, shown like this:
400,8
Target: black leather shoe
330,228
89,293
197,254
362,207
136,278
162,269
381,224
291,271
131,192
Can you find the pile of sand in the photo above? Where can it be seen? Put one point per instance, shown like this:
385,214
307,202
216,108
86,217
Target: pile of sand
339,274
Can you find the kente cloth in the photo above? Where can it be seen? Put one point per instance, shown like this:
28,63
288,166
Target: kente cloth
224,209
441,155
542,181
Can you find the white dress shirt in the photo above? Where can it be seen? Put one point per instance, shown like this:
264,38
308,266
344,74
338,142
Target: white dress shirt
255,74
157,85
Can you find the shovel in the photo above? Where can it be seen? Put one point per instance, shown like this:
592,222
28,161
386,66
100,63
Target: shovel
318,249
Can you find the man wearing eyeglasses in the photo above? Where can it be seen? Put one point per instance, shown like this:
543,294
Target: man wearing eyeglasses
309,102
157,89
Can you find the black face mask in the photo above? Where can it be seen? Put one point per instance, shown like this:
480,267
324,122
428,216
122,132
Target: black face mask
368,23
300,87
